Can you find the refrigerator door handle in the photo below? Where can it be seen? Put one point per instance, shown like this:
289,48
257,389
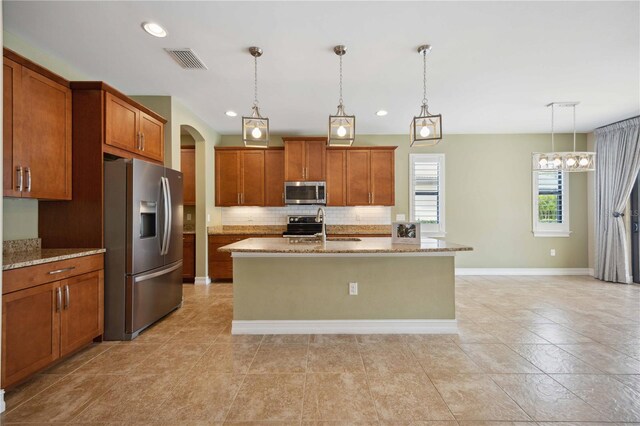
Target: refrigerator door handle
163,184
169,214
146,277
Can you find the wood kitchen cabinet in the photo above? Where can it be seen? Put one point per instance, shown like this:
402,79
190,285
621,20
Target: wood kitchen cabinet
240,177
49,311
188,257
274,177
221,264
37,131
336,177
188,169
106,125
304,159
131,129
361,176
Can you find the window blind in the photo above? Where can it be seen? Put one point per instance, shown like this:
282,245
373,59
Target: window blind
550,201
426,191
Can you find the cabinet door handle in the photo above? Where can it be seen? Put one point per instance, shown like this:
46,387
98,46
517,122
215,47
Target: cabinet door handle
242,198
19,178
28,173
238,198
142,140
369,198
67,297
58,299
59,271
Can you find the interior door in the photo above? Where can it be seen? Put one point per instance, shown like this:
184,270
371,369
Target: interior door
146,216
174,242
635,231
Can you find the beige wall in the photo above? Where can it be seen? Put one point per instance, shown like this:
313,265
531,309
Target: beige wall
488,198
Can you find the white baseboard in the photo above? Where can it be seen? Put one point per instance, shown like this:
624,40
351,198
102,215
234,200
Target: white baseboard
524,271
202,280
2,404
344,327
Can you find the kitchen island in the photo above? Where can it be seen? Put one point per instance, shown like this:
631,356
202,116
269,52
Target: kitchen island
283,286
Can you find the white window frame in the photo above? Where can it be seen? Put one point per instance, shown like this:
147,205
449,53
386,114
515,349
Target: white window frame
541,229
427,229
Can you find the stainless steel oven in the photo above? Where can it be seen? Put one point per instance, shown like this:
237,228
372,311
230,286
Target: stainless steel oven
305,193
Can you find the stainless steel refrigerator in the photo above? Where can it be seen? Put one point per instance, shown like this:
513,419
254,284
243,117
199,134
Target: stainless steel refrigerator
143,238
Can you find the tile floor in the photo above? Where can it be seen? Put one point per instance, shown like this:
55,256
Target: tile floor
530,349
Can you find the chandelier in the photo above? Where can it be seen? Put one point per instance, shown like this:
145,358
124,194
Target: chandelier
570,161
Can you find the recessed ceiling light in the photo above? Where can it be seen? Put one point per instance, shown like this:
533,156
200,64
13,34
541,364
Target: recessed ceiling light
154,29
381,113
231,113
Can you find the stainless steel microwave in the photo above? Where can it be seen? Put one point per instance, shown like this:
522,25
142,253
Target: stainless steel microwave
305,193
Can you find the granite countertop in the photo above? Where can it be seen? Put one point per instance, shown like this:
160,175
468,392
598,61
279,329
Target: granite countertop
20,259
279,229
365,245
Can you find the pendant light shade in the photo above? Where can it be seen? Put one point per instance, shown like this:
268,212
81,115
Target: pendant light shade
255,128
569,161
426,128
342,127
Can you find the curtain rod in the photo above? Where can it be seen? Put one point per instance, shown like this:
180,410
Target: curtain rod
619,121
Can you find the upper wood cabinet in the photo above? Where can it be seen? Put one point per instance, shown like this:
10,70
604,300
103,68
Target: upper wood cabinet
37,131
188,169
370,176
274,177
130,129
240,177
304,159
336,177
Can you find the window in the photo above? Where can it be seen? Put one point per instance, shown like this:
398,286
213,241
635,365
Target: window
550,204
426,196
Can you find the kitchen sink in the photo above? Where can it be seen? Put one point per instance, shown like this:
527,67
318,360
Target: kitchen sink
343,239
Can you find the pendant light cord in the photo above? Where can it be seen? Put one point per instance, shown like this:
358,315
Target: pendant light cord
255,80
553,146
425,102
340,79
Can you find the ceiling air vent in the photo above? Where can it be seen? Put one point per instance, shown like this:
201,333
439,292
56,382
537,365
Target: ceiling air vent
187,59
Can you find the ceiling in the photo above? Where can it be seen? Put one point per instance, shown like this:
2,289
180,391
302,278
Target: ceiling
493,67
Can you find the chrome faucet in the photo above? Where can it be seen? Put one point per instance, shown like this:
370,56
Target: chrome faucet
320,218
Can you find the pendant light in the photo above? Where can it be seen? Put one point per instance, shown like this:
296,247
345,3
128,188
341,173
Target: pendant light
342,127
255,129
571,161
425,129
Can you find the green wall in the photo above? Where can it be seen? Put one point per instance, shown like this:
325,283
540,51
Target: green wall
488,198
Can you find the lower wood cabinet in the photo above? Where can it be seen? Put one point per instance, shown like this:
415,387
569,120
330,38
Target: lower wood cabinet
188,257
221,264
44,321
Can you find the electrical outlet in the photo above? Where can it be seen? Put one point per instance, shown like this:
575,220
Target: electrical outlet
401,217
552,252
353,289
188,216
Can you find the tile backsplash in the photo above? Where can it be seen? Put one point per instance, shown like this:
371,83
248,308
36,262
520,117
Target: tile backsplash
375,215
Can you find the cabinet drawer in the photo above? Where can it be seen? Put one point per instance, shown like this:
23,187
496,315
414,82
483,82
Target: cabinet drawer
21,278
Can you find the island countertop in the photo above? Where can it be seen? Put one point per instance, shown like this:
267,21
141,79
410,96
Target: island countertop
364,246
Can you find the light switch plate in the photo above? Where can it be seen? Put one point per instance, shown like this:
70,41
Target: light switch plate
353,289
401,217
